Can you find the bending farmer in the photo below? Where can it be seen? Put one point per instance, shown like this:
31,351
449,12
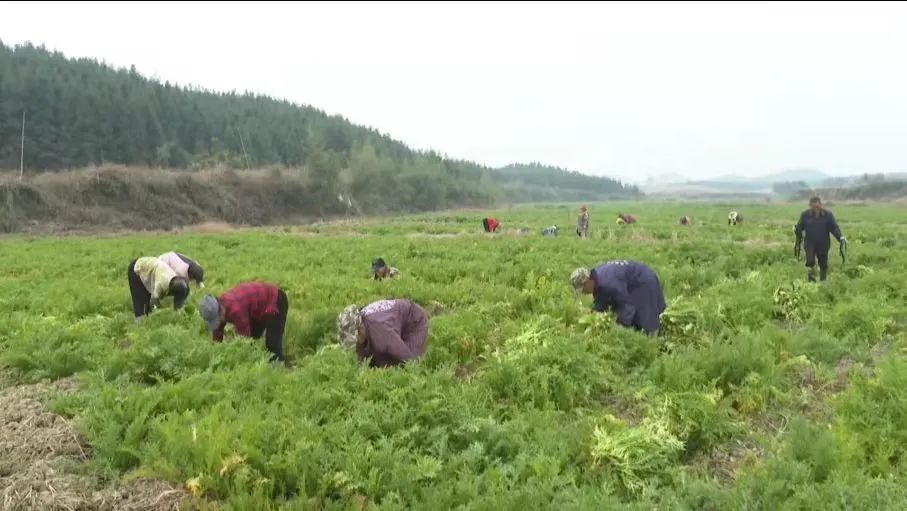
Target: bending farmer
490,224
150,280
254,308
381,271
184,267
631,289
386,332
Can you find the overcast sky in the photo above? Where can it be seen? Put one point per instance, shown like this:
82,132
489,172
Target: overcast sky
628,90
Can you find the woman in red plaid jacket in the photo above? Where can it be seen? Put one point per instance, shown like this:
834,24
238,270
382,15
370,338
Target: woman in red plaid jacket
253,308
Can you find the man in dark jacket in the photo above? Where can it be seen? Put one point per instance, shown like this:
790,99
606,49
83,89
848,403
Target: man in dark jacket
629,288
818,223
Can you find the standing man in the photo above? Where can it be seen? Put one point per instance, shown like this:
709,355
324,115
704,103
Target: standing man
150,280
631,289
386,332
254,308
818,223
582,222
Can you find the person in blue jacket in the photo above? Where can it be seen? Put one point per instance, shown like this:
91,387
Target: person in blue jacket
629,288
818,224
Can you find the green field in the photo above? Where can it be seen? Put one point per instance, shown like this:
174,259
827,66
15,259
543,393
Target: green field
764,393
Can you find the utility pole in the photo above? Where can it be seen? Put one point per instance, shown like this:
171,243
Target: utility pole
243,144
22,149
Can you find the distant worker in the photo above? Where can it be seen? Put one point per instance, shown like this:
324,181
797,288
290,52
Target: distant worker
734,218
551,231
818,223
582,222
685,220
625,219
150,281
381,271
184,267
254,309
631,289
386,332
490,224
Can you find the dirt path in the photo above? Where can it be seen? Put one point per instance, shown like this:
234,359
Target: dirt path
42,460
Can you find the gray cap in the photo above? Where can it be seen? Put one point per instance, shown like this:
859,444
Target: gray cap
579,277
209,309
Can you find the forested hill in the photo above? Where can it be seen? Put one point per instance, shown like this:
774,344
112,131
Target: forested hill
539,183
81,113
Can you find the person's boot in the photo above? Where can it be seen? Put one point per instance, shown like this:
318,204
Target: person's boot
823,274
811,275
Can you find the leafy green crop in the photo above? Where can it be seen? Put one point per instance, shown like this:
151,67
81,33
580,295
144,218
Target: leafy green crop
763,391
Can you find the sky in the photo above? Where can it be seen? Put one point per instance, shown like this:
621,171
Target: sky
629,90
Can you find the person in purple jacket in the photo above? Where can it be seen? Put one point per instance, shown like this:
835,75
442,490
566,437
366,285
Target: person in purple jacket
631,289
386,332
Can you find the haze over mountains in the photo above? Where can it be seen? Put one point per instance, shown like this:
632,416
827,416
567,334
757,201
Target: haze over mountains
677,184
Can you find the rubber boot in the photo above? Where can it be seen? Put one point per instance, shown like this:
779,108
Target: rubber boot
811,274
823,274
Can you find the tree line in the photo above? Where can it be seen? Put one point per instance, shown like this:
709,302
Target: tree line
81,112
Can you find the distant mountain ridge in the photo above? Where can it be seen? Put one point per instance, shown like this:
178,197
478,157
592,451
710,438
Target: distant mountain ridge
730,183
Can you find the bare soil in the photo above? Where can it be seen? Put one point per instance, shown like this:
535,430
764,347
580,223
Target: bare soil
42,460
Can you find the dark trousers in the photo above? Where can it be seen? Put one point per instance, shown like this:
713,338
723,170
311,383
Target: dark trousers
819,254
485,225
141,298
274,328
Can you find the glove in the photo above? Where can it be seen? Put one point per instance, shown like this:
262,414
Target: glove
843,240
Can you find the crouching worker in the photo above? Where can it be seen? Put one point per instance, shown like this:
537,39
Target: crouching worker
253,308
386,332
150,280
625,219
685,220
631,289
184,267
490,224
381,271
551,231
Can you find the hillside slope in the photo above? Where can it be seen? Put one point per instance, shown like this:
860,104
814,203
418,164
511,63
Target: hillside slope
81,113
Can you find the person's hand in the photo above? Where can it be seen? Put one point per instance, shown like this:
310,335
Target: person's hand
843,240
